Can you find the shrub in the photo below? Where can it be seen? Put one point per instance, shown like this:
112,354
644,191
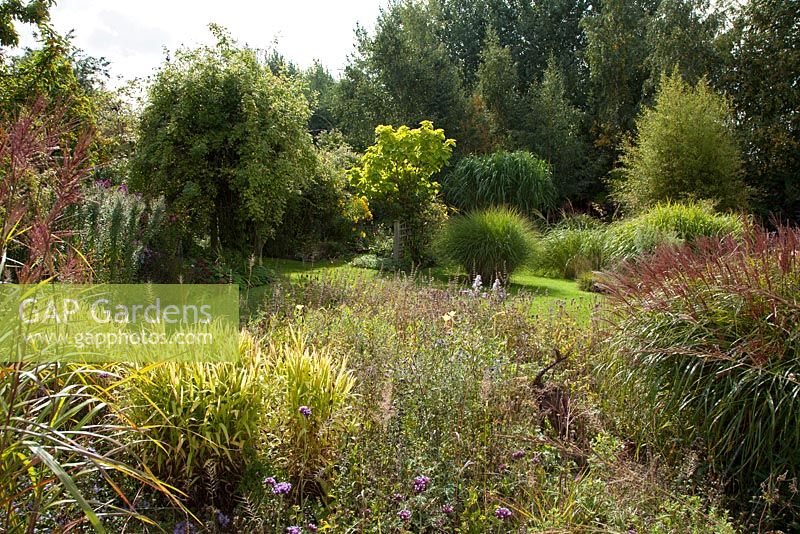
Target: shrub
116,231
224,140
377,263
708,337
491,243
326,212
685,149
590,281
202,421
246,273
517,179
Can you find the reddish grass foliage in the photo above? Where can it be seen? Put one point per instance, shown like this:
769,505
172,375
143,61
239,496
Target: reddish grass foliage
42,170
711,334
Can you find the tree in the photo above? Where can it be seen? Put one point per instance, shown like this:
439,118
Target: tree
395,176
551,32
616,51
49,72
225,141
321,87
555,133
463,25
685,149
402,75
33,12
497,86
683,34
763,79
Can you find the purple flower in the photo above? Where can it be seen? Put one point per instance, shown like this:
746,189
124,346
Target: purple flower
305,410
123,188
405,515
282,488
421,483
517,455
184,527
398,497
448,509
293,530
537,458
222,519
270,481
311,527
502,468
502,513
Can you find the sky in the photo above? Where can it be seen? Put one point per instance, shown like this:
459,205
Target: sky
132,34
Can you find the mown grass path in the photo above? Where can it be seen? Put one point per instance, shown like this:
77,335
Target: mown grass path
553,292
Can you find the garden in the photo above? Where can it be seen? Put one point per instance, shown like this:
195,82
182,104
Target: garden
545,281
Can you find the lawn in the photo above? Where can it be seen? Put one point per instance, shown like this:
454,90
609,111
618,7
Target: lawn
550,293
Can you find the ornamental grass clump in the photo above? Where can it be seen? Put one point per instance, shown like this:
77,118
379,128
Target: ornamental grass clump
575,246
709,337
201,422
518,179
491,244
313,409
669,224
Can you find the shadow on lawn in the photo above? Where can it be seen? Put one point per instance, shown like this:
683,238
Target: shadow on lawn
551,290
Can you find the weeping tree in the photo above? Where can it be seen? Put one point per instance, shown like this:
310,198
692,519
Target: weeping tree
224,140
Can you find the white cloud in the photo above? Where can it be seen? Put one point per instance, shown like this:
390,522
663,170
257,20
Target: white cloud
133,34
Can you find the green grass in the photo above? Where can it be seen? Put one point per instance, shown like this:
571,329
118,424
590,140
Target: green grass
552,292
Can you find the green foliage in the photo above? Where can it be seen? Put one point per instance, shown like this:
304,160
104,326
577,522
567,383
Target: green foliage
202,422
395,175
116,229
685,149
497,86
224,141
312,378
322,90
377,263
60,438
616,51
554,132
48,73
706,345
572,248
516,179
327,210
446,388
400,75
669,223
61,459
491,243
683,34
578,245
762,81
31,12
